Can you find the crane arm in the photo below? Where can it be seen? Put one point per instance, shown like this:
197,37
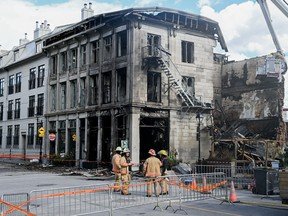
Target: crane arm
266,13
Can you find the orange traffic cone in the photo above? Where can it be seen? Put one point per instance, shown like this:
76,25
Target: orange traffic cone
193,184
233,196
204,183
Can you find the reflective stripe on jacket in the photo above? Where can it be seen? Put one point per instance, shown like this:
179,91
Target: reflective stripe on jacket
152,167
116,163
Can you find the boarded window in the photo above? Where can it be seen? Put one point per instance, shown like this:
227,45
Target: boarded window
153,87
187,50
106,87
121,84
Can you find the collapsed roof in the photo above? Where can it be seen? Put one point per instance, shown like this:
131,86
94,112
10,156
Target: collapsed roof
170,17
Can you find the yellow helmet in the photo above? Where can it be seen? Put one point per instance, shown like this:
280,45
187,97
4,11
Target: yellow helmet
163,152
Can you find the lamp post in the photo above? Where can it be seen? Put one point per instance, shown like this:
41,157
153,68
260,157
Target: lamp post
40,132
199,117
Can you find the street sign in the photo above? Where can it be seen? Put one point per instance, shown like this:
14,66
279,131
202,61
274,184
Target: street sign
74,137
52,137
41,132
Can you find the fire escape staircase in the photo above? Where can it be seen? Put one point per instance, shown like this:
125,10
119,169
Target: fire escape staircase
164,61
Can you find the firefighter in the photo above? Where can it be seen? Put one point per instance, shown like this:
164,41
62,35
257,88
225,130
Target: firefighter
117,168
151,171
165,163
125,176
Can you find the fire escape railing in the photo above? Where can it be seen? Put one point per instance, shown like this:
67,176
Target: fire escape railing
165,62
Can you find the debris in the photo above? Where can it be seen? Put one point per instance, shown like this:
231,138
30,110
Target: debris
182,168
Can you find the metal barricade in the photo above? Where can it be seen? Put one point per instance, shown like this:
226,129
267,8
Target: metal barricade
81,200
13,201
137,196
242,176
192,187
100,198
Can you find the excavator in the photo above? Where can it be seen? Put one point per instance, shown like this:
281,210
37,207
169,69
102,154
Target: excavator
279,58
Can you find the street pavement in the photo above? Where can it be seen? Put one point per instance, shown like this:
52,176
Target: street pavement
17,180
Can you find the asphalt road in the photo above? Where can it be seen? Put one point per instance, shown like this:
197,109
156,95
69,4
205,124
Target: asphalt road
15,179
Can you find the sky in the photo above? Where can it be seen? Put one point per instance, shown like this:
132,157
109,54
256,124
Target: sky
241,21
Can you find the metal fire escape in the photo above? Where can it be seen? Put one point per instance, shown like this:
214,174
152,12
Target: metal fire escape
158,56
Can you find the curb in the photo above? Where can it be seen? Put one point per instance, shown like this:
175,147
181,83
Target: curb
266,204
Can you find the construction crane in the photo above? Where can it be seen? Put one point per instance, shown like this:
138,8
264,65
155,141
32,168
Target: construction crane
282,5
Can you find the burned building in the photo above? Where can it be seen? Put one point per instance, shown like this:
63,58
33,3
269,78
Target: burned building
136,77
252,102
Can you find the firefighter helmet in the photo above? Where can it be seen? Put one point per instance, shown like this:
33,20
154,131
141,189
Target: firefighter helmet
163,152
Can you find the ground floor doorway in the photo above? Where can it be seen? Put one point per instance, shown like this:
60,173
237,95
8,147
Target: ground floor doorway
154,133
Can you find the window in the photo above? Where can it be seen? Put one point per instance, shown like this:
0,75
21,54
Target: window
41,75
73,92
54,64
74,57
82,92
107,48
53,97
18,82
1,111
153,87
31,107
153,42
16,136
17,108
1,61
187,49
121,84
2,83
32,78
61,136
38,46
9,136
10,111
63,61
106,87
95,51
1,134
122,43
16,55
83,54
11,84
52,125
40,104
63,96
94,85
30,138
188,84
